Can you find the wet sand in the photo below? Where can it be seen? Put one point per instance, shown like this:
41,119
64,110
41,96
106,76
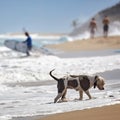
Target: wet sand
100,113
99,43
88,48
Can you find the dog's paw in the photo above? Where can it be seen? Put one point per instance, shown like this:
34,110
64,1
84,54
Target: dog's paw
94,97
63,100
77,99
60,101
91,98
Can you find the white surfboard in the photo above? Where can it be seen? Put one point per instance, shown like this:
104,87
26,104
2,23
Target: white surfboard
16,45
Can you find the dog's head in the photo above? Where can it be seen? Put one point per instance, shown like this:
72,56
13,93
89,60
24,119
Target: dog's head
99,82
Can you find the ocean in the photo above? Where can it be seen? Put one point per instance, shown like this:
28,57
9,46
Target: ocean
26,89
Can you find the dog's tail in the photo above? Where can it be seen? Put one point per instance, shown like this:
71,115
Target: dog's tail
52,75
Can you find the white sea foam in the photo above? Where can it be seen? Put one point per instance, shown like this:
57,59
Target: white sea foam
28,101
84,36
115,28
33,35
36,68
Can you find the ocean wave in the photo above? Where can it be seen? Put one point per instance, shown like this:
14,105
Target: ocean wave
15,67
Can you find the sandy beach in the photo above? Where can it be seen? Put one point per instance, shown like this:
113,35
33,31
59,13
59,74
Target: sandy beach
98,46
101,113
90,47
98,43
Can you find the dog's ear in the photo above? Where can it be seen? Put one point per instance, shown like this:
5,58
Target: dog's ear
96,77
95,83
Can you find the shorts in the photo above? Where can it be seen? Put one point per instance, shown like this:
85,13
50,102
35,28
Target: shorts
105,27
92,30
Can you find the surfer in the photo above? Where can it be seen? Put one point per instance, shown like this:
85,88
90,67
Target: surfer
93,27
105,26
28,41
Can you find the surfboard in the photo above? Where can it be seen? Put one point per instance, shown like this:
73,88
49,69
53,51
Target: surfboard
16,45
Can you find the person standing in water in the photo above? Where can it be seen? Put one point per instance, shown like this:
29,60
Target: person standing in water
28,41
93,27
106,22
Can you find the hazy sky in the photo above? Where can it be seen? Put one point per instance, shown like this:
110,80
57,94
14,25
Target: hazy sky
47,16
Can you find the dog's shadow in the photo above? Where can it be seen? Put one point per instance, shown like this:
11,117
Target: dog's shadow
50,103
73,100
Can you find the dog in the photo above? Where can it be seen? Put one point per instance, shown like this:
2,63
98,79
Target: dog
81,83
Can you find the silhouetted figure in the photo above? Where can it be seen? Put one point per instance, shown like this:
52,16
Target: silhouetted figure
105,26
93,27
28,41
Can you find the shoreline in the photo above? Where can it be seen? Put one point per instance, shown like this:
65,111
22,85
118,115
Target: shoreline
108,112
99,113
79,54
99,46
98,43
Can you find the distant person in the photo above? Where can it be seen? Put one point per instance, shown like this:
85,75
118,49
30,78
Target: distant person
28,41
106,22
93,27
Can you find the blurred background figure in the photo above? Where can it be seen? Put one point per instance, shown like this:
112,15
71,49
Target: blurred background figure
93,27
28,41
105,26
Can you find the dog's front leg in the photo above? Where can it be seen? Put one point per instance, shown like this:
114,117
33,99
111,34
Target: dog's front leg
88,94
57,97
64,96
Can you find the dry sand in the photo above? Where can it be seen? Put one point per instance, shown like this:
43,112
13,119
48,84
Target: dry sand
101,113
99,43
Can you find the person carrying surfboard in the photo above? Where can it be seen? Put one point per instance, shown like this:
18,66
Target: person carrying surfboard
28,41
